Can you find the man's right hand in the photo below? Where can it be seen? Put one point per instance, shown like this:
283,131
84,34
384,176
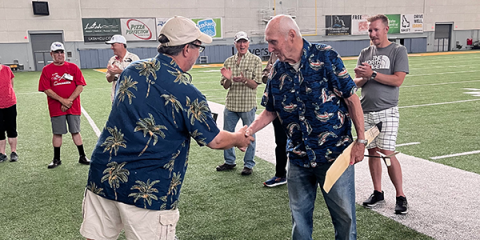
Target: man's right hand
226,72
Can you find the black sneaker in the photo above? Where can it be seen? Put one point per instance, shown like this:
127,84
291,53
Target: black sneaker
225,166
401,207
247,171
374,199
3,157
13,157
84,160
54,163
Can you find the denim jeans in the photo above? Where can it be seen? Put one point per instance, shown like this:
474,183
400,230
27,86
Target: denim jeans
230,120
302,191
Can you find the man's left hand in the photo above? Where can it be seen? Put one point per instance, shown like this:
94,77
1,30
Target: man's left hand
241,79
114,69
357,154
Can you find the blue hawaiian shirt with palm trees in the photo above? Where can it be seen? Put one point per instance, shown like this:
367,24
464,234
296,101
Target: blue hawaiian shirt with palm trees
310,104
142,154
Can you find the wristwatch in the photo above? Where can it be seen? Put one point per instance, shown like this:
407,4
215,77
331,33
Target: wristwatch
362,141
374,74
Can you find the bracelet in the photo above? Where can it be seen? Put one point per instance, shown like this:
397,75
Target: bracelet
246,81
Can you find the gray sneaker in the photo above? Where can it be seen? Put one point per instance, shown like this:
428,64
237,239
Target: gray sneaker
3,157
13,157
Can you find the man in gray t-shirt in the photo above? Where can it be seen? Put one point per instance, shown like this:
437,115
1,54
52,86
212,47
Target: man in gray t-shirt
381,69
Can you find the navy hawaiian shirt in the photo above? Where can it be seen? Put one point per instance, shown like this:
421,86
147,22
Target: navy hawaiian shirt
142,154
310,104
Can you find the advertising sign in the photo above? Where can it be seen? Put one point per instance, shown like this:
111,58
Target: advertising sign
139,29
412,23
359,25
393,23
210,26
336,25
100,29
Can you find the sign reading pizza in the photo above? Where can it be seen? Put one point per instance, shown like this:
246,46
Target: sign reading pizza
139,29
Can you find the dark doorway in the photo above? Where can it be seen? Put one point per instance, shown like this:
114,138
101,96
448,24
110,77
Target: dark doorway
41,47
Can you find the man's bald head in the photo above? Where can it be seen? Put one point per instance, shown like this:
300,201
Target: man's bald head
284,38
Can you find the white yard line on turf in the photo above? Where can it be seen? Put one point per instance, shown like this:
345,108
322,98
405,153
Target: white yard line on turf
92,123
455,155
435,84
407,144
433,104
441,73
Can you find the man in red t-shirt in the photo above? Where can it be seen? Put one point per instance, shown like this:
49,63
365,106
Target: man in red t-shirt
63,82
8,114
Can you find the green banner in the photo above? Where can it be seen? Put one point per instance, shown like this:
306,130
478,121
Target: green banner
210,26
393,23
100,29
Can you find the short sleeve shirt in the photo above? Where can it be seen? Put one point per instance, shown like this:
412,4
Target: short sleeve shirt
63,80
388,60
241,98
7,94
122,64
142,154
310,104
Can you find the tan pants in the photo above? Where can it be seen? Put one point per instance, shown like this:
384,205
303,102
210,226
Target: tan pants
103,219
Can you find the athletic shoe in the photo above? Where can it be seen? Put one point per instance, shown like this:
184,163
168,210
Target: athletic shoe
54,163
374,199
225,166
247,171
275,181
401,207
13,157
84,160
3,157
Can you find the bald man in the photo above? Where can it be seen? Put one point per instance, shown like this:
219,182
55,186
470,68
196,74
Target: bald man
314,98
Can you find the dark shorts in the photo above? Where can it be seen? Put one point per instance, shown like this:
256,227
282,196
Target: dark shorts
8,122
59,124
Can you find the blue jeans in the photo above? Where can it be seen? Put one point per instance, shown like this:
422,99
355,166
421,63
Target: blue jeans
302,191
230,120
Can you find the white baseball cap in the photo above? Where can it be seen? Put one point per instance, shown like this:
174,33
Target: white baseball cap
117,39
57,46
180,30
240,35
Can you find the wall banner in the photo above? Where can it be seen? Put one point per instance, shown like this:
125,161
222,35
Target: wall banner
336,25
210,26
100,29
412,23
139,29
393,23
359,25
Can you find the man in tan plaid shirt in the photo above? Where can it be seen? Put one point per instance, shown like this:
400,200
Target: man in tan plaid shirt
241,74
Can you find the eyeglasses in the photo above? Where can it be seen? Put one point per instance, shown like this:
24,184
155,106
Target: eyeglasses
200,47
59,51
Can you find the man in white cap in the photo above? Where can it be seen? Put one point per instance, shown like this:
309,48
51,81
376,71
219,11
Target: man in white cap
63,82
139,162
241,74
120,60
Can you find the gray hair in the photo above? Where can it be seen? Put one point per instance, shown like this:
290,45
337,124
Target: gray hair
285,23
168,50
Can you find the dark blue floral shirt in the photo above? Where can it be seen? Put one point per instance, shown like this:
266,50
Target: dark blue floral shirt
142,154
310,104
